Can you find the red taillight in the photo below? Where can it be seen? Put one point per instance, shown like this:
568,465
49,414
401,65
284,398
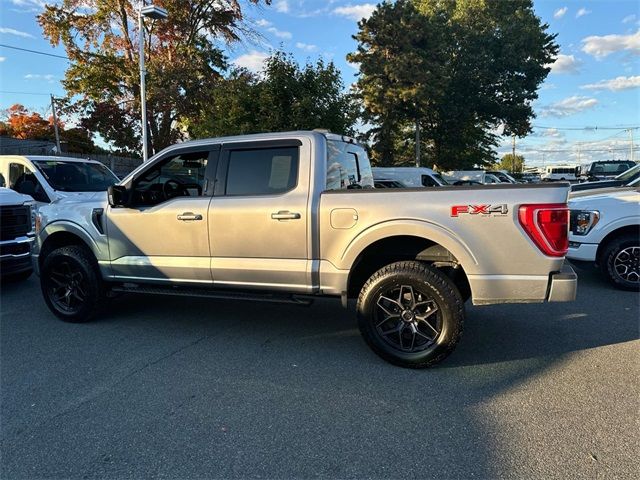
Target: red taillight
548,226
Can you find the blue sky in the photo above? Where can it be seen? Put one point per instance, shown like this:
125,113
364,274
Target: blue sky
594,83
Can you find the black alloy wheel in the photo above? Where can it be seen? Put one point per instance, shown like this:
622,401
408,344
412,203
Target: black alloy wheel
407,319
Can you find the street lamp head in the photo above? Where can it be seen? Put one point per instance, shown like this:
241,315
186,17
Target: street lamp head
153,12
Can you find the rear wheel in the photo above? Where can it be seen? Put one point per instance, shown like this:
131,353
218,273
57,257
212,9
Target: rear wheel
620,262
71,283
410,314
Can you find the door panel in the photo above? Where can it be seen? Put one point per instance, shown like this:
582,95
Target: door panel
164,235
259,240
152,243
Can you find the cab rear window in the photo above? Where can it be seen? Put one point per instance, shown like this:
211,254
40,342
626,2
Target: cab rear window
348,166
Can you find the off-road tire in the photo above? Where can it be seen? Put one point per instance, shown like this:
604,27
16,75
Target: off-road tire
431,284
607,261
88,280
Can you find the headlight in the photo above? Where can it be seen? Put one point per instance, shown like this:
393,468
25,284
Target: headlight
582,221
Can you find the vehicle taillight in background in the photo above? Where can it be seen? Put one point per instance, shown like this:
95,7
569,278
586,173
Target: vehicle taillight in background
548,226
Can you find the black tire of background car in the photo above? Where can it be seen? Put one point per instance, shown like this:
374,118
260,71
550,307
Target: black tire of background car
610,252
82,260
427,280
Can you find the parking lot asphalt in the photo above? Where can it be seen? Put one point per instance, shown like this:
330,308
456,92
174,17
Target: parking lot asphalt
191,388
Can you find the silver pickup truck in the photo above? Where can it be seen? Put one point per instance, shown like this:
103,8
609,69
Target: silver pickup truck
291,216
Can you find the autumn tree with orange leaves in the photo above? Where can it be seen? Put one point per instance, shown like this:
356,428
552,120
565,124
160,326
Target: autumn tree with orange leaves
18,122
183,62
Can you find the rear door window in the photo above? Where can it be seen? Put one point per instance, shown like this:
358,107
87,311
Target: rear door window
267,171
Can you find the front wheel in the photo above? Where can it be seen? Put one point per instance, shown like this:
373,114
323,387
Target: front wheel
71,283
620,262
410,314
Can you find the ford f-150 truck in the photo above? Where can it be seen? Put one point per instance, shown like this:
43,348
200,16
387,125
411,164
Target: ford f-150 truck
292,216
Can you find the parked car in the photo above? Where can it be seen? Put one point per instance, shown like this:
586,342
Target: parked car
388,184
503,176
48,178
603,170
605,230
625,178
559,173
16,235
478,176
410,177
276,217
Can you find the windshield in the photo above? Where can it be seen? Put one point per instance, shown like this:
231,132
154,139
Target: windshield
440,179
76,176
629,175
604,168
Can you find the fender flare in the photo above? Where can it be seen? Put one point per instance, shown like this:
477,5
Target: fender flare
409,227
73,228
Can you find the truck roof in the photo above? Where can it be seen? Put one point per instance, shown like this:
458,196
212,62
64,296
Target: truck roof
45,158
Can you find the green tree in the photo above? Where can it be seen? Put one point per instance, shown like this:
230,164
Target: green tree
512,163
459,69
283,97
183,63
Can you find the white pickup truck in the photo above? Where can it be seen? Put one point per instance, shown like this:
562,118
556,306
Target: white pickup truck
292,216
47,178
605,230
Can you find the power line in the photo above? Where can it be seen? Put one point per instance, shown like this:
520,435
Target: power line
34,51
24,93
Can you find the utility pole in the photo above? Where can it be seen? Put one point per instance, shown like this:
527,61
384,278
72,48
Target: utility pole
55,124
513,145
631,139
417,142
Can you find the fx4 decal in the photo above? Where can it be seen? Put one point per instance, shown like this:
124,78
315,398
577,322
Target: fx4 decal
456,210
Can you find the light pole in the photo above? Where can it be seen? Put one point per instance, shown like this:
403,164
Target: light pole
155,13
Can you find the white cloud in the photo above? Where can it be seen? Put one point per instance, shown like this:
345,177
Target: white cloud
263,23
560,12
354,65
2,59
602,46
282,6
614,84
279,33
565,64
17,33
569,106
356,12
29,5
306,47
37,76
582,12
629,18
253,61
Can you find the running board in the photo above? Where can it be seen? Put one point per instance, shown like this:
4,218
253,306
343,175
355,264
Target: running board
218,294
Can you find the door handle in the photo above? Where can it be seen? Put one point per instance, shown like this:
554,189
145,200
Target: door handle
186,216
285,215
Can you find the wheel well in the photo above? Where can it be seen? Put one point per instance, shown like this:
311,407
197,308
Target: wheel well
57,240
395,249
630,229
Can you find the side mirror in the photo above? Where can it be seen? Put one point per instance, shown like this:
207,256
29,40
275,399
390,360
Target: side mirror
118,196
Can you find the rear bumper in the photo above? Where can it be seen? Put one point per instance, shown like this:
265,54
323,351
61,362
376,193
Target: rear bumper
557,287
563,285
